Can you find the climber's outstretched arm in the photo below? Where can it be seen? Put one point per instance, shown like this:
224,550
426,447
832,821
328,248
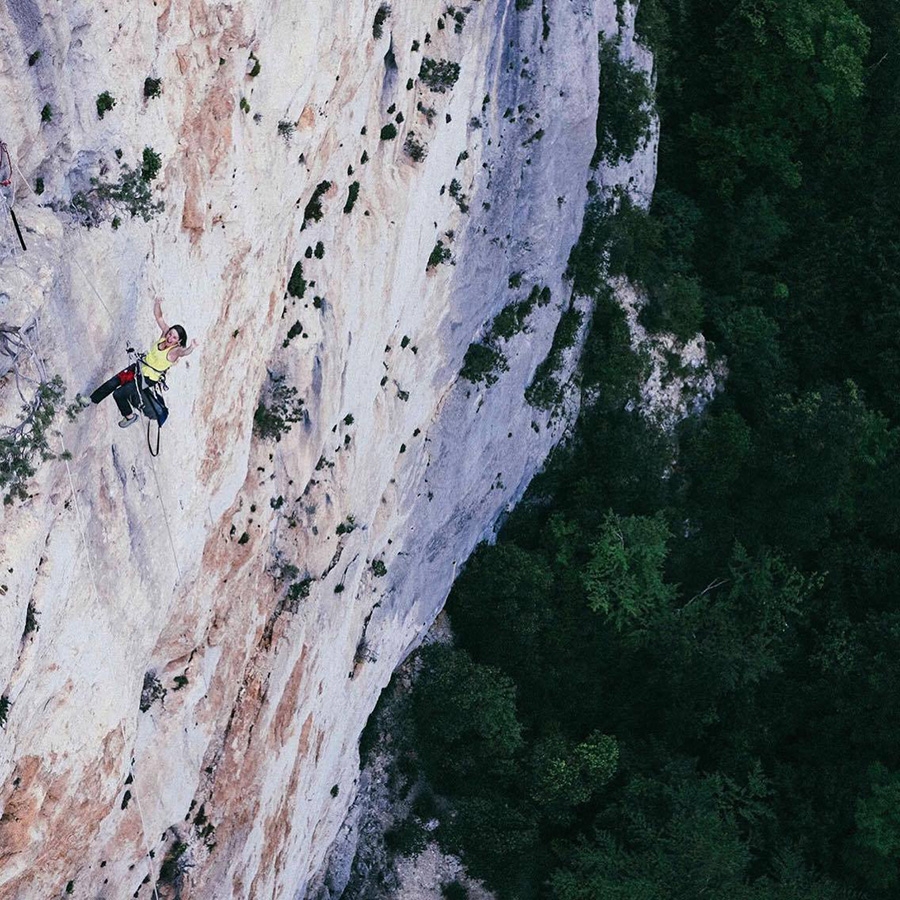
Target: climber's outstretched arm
185,351
157,312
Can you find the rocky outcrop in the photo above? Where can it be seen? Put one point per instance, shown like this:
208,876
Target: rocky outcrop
192,644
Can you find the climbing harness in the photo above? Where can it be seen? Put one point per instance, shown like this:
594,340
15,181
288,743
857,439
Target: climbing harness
153,406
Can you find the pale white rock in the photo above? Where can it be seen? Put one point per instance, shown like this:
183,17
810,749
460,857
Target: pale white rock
680,379
423,876
134,565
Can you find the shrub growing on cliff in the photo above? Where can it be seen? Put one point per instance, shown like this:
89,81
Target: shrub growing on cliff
295,330
482,362
624,117
25,444
152,88
174,863
428,111
105,102
278,409
151,691
298,591
150,164
380,18
133,189
313,210
414,148
296,286
31,622
439,75
512,319
456,193
352,194
389,132
545,391
440,254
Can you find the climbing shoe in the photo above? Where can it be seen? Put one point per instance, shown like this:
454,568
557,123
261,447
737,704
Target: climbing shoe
128,420
81,400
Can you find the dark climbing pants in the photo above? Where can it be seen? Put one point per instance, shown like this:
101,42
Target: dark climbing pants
125,395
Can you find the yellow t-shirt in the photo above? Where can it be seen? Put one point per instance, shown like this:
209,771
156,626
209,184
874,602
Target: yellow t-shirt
155,362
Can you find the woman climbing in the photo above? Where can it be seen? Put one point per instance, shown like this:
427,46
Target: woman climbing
168,348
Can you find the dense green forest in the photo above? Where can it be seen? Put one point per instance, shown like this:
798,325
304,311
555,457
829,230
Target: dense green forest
677,672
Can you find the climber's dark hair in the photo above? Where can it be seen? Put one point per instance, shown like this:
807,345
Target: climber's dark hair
182,334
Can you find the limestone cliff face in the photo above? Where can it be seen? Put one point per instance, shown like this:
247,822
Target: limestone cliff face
173,573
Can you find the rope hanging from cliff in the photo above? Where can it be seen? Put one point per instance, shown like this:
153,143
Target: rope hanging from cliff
137,802
149,447
165,516
6,172
65,455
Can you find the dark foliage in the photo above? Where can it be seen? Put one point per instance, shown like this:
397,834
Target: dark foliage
689,643
352,194
380,18
312,212
278,410
105,102
623,121
438,75
25,445
296,286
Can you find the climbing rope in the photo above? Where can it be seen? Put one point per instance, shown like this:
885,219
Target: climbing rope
152,465
43,376
5,159
137,803
87,552
94,289
165,517
10,163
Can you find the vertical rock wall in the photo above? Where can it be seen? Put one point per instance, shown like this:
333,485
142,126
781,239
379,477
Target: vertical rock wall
163,584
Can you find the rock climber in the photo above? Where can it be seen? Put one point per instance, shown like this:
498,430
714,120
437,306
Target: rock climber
168,348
